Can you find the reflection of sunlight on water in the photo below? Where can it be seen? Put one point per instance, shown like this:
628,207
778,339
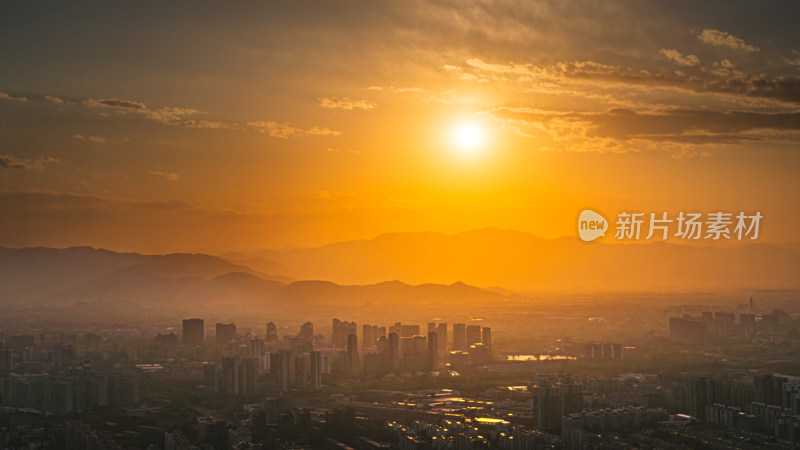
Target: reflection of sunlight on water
538,357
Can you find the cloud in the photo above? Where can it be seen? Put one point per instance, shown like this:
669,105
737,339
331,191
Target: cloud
179,116
794,60
345,103
397,90
723,39
323,132
97,139
169,176
285,131
678,131
276,129
165,114
12,162
560,77
5,96
675,56
57,100
325,194
212,125
336,150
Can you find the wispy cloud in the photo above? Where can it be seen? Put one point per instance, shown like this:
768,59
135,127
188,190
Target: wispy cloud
723,39
323,131
677,57
169,176
96,139
165,114
557,78
345,103
621,130
325,194
397,90
180,116
210,124
13,162
793,60
5,96
285,131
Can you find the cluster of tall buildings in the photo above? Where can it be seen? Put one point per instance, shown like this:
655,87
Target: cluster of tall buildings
553,401
404,347
607,350
770,405
233,375
298,361
76,390
580,429
717,323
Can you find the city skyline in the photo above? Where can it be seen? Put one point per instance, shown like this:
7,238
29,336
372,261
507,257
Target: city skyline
399,225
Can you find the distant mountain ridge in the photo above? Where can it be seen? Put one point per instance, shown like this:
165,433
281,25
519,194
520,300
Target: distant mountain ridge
30,273
100,281
523,262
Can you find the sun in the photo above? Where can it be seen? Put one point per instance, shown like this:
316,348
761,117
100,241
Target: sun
469,139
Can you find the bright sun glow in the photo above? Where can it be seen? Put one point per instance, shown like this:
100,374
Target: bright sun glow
469,138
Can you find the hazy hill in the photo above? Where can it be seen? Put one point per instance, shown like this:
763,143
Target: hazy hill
33,273
523,262
99,285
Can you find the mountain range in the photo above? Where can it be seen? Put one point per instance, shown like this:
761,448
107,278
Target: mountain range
523,262
478,267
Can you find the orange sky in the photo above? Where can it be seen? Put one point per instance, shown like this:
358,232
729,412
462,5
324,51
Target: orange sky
198,126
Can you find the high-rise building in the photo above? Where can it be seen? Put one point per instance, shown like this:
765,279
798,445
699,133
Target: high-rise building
404,330
441,331
6,360
571,398
236,376
459,336
407,330
394,351
248,375
340,332
193,332
747,323
302,368
547,410
284,369
415,353
306,332
272,332
433,350
698,397
486,337
256,348
369,336
230,375
226,332
473,334
315,370
352,353
724,323
162,339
